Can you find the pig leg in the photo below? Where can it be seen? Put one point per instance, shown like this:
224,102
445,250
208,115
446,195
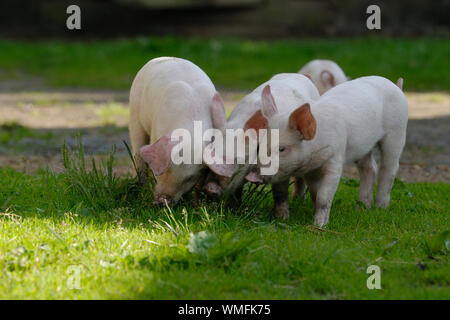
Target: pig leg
280,193
322,192
367,168
237,196
299,188
312,181
139,138
391,148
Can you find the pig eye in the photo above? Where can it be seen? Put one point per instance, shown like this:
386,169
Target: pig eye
282,149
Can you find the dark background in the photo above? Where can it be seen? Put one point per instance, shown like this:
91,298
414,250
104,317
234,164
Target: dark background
249,18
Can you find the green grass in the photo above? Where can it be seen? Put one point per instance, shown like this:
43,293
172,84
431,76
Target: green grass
231,63
12,132
105,227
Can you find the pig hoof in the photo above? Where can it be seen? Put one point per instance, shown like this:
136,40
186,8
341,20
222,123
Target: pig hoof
362,205
282,211
384,203
320,221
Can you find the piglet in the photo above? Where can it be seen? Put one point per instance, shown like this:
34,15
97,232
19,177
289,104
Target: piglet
344,126
325,74
287,90
168,94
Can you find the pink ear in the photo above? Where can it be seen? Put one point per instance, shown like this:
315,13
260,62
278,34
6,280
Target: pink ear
224,170
302,120
327,78
254,177
219,118
157,155
269,107
257,121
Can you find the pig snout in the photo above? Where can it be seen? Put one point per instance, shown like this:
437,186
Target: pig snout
213,189
254,176
162,200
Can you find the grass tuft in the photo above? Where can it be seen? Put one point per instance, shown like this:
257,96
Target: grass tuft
99,187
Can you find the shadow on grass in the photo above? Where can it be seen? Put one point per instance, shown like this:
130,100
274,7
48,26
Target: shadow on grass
212,251
96,193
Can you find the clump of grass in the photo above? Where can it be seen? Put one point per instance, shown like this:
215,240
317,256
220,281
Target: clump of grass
437,244
99,187
253,198
208,248
204,248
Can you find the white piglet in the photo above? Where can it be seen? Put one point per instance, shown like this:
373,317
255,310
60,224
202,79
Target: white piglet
325,74
288,90
168,94
344,126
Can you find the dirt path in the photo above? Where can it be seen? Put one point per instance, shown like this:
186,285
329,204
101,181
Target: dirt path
34,125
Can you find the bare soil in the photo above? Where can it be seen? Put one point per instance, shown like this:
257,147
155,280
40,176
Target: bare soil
101,118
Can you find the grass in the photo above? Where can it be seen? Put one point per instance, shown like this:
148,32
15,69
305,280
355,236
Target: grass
14,132
231,63
102,227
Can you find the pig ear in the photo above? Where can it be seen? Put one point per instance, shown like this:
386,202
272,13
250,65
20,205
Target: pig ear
219,118
224,169
327,78
157,154
257,121
302,120
269,107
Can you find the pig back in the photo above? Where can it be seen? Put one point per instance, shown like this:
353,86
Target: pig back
289,90
172,93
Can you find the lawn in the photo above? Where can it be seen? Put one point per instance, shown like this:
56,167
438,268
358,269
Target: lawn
103,228
231,63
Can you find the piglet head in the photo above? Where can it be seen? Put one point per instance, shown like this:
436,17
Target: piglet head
260,120
172,181
294,129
